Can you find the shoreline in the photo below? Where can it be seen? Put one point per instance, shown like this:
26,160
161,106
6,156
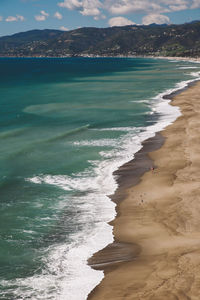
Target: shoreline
177,58
110,261
128,175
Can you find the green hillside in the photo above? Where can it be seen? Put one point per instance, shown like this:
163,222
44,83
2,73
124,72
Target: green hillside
163,40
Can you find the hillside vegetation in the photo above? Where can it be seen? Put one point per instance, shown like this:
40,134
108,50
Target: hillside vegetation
163,40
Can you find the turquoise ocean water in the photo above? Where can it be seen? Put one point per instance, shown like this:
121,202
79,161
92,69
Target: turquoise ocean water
65,126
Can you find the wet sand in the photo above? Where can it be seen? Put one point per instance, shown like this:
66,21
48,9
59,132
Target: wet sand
156,253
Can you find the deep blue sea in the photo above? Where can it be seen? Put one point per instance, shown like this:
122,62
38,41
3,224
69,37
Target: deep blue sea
65,125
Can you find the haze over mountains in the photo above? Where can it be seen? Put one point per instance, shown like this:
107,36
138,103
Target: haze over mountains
157,40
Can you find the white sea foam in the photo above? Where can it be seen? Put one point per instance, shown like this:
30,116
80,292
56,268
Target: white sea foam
143,101
97,143
98,179
190,67
62,278
195,74
146,101
57,180
129,129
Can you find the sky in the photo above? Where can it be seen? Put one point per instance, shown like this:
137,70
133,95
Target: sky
23,15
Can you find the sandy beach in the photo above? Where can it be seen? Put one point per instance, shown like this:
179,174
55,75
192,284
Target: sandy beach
156,253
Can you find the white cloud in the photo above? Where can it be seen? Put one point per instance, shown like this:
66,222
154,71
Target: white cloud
97,8
85,7
120,21
177,7
147,6
99,17
14,18
20,18
11,19
195,4
127,6
44,13
71,4
90,11
64,28
58,16
155,18
42,17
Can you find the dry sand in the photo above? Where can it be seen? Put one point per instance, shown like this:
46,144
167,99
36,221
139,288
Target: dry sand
156,254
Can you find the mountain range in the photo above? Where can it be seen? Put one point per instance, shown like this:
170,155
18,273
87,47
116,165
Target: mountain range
133,40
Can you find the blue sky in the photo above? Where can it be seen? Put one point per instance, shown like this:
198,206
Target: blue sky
23,15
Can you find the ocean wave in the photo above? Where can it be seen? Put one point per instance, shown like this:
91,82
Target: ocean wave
32,144
97,143
190,67
12,133
128,129
66,260
146,101
61,262
195,74
57,180
67,133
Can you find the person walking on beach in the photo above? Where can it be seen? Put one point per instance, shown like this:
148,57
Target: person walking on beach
152,169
